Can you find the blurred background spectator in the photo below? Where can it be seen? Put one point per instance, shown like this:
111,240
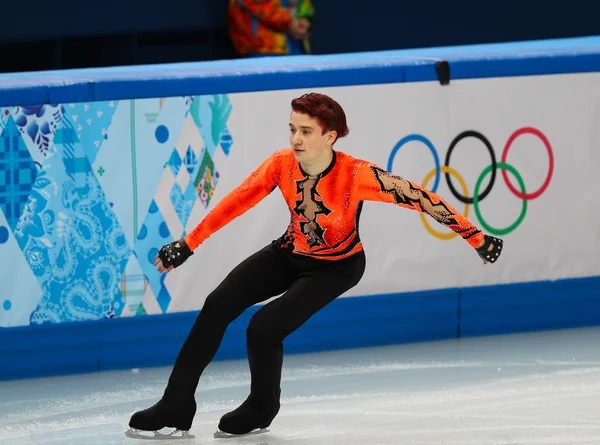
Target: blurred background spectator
74,34
270,27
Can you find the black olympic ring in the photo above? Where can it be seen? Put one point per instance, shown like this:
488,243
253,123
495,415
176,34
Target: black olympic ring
488,189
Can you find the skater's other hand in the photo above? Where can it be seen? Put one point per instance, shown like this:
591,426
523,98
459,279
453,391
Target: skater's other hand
480,246
489,249
161,268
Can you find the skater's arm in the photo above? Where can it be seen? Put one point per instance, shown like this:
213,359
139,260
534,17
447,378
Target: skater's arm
255,187
376,184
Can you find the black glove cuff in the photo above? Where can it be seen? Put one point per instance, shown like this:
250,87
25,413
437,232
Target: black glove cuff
174,253
491,249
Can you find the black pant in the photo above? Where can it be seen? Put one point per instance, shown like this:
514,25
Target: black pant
309,285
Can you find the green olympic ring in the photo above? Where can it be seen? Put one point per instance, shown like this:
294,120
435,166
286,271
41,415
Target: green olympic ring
485,225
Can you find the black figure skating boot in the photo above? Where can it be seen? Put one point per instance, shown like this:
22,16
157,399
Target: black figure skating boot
251,417
167,413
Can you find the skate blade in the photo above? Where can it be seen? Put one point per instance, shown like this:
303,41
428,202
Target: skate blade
156,435
223,435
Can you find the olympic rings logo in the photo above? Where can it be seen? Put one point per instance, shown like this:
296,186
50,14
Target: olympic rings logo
478,195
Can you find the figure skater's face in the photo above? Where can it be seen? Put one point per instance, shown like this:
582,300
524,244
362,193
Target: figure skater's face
307,138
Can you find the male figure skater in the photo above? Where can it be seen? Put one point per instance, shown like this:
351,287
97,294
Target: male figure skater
318,258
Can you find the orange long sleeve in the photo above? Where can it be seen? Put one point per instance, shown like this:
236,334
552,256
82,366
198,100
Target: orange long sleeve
377,184
325,209
259,184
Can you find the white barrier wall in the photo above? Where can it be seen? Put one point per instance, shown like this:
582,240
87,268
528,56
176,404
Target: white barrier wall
550,229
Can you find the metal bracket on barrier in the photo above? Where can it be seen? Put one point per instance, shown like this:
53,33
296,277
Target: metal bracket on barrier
443,71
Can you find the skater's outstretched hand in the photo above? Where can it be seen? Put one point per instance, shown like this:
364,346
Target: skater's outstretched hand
161,268
172,255
489,249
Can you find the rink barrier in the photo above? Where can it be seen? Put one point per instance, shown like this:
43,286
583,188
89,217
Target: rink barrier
124,343
154,340
578,55
523,307
372,321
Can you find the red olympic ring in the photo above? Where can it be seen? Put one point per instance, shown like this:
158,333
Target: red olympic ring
544,139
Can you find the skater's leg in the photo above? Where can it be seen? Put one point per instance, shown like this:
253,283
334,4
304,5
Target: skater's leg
258,278
261,276
313,290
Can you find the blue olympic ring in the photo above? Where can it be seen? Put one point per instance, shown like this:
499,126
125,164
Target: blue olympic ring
427,142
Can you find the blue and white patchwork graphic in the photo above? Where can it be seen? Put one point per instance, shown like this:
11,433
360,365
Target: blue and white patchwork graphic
89,192
153,234
38,125
92,121
17,173
140,141
20,291
71,239
210,114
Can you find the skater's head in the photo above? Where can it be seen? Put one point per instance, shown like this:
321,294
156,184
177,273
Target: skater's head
316,123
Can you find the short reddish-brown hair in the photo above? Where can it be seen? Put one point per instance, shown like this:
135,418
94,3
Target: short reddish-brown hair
325,110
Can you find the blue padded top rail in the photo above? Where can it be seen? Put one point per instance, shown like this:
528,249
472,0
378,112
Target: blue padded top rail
313,71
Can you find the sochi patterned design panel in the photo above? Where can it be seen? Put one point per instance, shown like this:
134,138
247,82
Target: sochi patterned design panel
88,194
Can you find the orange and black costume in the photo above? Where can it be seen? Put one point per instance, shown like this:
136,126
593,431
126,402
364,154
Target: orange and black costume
319,257
325,209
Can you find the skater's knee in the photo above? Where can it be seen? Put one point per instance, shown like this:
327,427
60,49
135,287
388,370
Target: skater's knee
212,303
219,300
222,305
259,331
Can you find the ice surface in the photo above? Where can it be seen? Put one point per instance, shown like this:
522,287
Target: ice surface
537,388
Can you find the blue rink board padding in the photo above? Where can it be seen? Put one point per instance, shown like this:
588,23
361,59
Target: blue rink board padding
273,73
377,320
533,306
42,350
155,340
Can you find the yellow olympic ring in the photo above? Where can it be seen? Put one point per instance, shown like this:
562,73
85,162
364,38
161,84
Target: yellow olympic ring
463,184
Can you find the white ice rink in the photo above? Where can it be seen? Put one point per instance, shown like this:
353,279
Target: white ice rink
539,388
